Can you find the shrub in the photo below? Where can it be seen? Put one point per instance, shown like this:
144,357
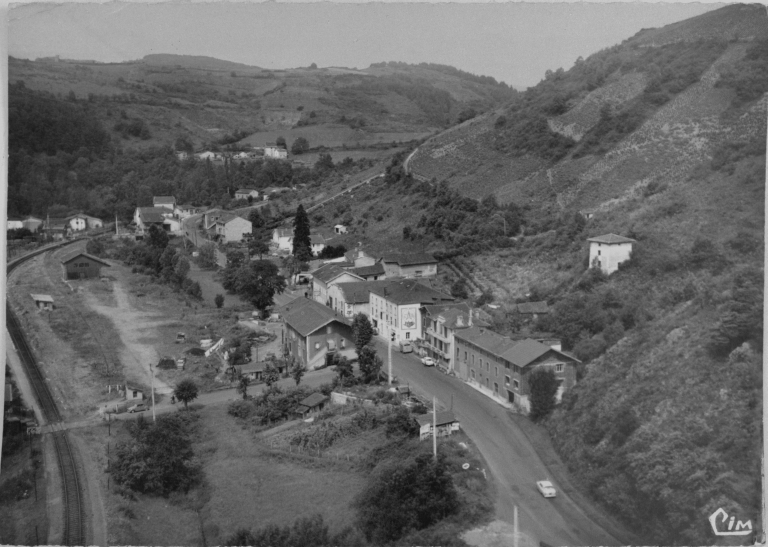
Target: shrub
543,386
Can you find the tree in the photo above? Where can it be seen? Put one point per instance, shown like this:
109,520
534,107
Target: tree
271,374
186,392
343,368
459,289
219,300
405,497
370,364
297,372
258,281
242,386
362,331
300,146
302,244
280,141
207,255
257,247
157,237
543,385
257,221
94,247
324,163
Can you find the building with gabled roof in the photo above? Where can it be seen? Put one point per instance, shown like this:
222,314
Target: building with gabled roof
500,367
374,272
81,265
608,251
326,276
396,307
146,217
314,403
166,202
440,322
313,331
43,301
351,298
231,227
245,193
409,265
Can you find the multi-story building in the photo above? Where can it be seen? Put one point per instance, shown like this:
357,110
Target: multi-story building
608,251
500,367
440,322
325,277
410,265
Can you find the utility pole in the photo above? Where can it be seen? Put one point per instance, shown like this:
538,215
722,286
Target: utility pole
391,338
152,374
516,534
434,429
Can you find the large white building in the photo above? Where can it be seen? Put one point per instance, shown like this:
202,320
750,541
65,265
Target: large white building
232,227
608,251
274,151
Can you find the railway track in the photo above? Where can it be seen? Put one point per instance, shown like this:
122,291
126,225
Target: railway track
74,513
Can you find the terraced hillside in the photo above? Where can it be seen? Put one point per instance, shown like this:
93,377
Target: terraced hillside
647,111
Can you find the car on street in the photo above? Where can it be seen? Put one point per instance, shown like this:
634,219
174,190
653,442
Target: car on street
141,407
427,361
546,489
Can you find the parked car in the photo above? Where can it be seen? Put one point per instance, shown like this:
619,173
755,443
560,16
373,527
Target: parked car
546,489
141,407
428,362
406,347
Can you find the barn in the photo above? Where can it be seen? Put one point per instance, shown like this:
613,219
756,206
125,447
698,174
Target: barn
81,265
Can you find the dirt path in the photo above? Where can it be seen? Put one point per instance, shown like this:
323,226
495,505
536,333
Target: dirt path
134,327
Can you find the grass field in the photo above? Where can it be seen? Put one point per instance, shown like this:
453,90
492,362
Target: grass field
331,136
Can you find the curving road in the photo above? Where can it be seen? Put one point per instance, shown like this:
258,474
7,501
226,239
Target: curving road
511,458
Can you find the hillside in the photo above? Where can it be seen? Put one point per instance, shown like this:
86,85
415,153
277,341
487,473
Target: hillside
663,139
211,102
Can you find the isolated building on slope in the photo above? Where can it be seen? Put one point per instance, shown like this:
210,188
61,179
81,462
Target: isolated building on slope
608,251
410,265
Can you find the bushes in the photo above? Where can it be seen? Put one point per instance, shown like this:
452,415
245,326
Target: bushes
159,459
543,385
305,532
406,496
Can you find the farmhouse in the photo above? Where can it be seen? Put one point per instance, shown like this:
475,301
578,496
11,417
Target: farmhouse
56,228
326,276
340,229
282,237
440,322
500,367
81,265
245,193
530,311
396,307
446,424
608,251
146,217
272,150
166,202
410,265
313,331
232,227
185,211
14,224
81,222
43,302
370,273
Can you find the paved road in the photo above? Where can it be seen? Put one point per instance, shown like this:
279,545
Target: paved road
511,458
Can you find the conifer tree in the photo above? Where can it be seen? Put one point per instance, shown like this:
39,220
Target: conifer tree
302,245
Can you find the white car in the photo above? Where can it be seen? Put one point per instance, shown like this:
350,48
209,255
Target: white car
427,361
546,489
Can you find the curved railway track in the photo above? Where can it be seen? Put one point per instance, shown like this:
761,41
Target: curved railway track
74,513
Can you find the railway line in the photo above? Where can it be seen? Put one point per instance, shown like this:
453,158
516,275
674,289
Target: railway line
74,513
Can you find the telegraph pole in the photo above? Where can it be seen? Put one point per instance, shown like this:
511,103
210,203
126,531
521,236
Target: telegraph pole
434,428
391,337
152,374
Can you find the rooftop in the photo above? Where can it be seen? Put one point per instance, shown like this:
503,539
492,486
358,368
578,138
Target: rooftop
314,400
42,298
410,259
610,239
358,292
164,199
410,291
305,315
376,269
455,315
69,257
441,418
329,272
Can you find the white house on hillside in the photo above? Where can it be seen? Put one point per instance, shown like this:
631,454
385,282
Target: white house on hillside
232,227
245,193
608,251
166,202
274,151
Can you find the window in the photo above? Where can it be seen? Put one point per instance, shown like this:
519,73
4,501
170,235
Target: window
418,273
506,380
598,253
473,359
516,384
495,388
559,367
472,372
328,329
487,367
407,335
497,371
487,383
343,343
465,356
317,345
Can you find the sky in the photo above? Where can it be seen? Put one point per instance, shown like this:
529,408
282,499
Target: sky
513,42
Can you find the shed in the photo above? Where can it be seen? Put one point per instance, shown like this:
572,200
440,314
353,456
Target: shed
43,301
133,393
446,424
313,403
81,265
340,229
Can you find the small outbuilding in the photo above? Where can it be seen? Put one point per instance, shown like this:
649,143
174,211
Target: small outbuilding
446,424
81,265
133,394
340,229
608,251
314,403
43,301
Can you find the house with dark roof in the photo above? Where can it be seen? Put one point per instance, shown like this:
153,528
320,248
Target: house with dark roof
395,307
370,273
313,331
529,311
440,322
56,228
81,265
314,403
146,217
410,265
500,367
445,421
165,202
352,298
325,277
230,227
608,251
